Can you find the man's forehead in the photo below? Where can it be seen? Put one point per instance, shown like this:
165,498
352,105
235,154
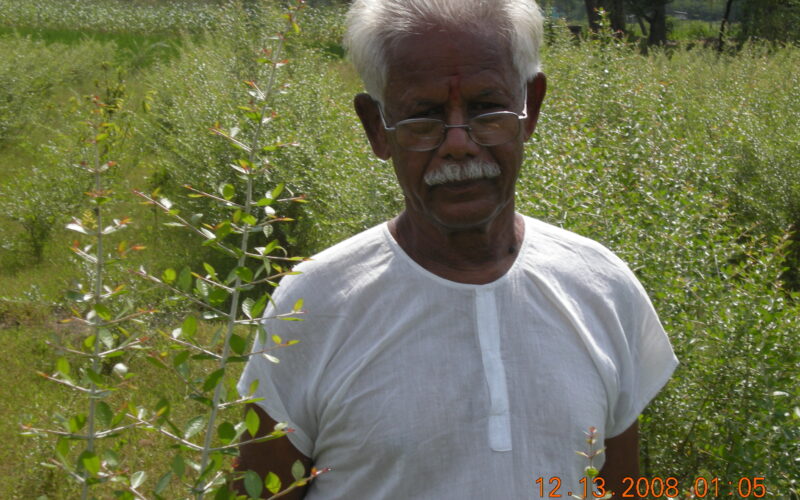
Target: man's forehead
438,60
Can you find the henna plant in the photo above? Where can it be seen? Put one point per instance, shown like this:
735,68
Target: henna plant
224,302
100,369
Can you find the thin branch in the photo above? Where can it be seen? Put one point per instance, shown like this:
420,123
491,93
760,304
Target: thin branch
149,426
178,291
213,197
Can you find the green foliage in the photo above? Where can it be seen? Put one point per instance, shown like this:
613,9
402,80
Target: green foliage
646,155
774,20
31,72
39,202
112,15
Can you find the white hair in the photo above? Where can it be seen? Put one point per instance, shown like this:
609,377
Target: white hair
374,25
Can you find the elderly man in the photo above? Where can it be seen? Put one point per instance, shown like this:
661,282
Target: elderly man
460,350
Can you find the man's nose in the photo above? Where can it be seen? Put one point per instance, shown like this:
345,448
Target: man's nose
457,142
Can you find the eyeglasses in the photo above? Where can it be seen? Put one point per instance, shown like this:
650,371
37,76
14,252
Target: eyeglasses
488,129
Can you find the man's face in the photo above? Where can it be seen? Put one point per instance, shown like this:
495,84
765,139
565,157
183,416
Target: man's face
454,77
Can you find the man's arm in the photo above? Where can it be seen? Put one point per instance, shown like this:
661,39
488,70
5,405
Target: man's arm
622,460
276,456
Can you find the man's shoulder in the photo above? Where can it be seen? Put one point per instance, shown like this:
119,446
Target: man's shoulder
339,264
564,252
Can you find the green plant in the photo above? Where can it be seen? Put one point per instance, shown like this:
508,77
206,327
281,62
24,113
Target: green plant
101,366
235,316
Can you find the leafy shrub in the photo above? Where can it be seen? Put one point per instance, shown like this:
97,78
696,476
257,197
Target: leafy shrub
646,155
31,72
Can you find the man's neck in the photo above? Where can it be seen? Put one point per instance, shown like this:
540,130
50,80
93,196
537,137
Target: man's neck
475,255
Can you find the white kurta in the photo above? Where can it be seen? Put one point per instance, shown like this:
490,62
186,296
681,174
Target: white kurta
411,386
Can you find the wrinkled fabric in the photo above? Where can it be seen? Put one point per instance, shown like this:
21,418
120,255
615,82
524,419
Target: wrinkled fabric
411,386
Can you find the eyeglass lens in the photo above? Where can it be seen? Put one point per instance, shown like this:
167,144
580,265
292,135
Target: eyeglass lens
491,129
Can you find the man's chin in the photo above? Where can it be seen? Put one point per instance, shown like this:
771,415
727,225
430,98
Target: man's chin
466,216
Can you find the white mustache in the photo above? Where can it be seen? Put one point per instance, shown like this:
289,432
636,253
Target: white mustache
453,172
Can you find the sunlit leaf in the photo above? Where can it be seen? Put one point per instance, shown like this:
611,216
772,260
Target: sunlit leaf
62,365
194,426
189,326
168,275
138,478
90,461
252,421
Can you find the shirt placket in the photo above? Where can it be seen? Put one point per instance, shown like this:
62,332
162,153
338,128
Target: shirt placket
488,327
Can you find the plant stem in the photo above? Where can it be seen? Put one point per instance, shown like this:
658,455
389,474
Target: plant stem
98,290
232,314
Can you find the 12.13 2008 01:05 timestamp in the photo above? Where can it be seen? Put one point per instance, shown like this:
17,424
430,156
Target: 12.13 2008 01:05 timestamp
658,487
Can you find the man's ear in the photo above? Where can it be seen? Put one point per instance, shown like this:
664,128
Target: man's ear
369,114
537,88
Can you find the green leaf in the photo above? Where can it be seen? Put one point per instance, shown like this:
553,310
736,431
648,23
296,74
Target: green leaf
103,312
223,230
226,432
210,270
110,458
180,358
298,470
189,326
252,484
62,365
185,279
76,423
168,275
178,465
217,296
244,273
273,483
298,306
95,377
247,307
249,220
62,449
263,202
238,344
90,461
252,421
162,483
259,306
163,407
212,380
227,191
88,342
277,191
137,478
103,413
106,337
272,245
194,426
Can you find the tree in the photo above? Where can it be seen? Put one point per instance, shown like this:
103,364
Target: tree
775,20
655,13
615,10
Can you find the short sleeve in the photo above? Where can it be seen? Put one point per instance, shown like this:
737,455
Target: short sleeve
648,363
282,387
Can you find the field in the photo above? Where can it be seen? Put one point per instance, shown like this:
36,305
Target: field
683,161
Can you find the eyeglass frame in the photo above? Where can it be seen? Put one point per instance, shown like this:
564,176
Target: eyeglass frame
466,126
